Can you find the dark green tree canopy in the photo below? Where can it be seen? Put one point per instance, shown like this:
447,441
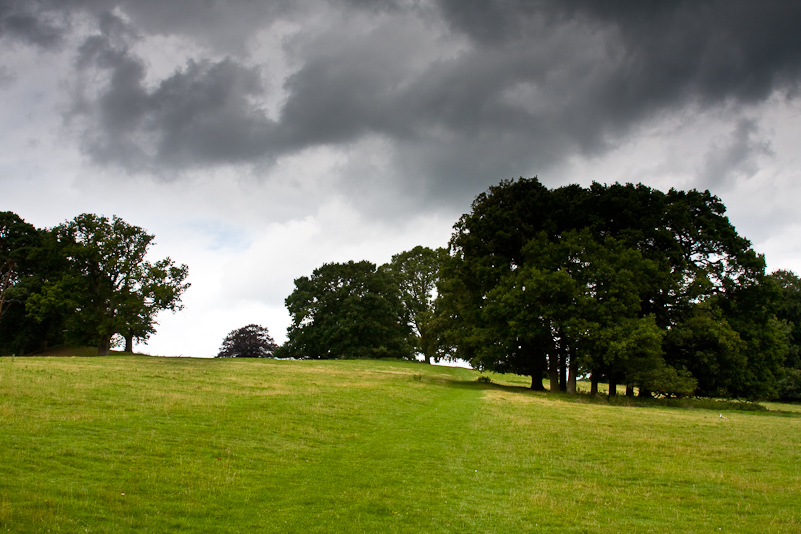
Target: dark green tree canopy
789,311
27,260
251,341
346,310
587,278
18,240
415,273
108,282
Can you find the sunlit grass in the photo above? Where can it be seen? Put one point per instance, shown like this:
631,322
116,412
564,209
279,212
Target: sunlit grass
139,444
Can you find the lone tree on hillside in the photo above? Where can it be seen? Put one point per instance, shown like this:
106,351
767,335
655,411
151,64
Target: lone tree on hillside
347,310
251,341
108,284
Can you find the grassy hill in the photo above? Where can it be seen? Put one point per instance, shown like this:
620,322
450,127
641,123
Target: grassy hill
143,444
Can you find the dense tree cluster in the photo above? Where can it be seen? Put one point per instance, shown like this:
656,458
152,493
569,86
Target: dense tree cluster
629,285
621,284
82,282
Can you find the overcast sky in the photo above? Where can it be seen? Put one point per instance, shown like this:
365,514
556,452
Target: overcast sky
259,140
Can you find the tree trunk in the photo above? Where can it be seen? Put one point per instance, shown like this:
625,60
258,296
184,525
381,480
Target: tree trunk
553,371
612,387
536,383
571,377
536,367
562,372
129,343
104,346
594,384
644,392
629,390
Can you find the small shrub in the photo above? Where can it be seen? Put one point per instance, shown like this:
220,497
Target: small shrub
251,341
790,386
484,380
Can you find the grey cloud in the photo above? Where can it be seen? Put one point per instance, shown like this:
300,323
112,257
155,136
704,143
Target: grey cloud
200,114
662,53
542,80
222,26
467,117
706,49
204,114
6,77
737,157
490,23
226,25
523,84
31,23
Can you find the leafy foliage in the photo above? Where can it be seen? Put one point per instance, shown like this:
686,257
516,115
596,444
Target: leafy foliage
789,311
789,387
415,273
346,310
96,280
251,341
17,241
594,279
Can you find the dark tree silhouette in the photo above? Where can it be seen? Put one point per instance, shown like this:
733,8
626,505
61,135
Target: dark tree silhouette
251,341
17,238
347,310
107,283
588,279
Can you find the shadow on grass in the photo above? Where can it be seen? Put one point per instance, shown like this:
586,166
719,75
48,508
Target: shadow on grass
79,351
718,405
477,385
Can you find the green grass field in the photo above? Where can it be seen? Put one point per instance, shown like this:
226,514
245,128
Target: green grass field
144,444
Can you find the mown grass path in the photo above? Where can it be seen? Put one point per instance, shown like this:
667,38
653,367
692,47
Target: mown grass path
130,444
397,473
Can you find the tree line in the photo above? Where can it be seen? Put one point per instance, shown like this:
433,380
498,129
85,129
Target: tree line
621,284
87,281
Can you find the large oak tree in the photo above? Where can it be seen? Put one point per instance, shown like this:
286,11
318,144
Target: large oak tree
109,283
548,279
346,310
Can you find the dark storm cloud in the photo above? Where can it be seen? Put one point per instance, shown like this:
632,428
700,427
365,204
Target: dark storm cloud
31,23
506,87
481,111
670,49
201,114
710,48
737,157
539,81
660,53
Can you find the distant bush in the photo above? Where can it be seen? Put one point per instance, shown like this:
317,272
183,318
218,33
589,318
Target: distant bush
251,341
790,386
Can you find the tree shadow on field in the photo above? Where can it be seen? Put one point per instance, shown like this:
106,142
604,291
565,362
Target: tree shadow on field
476,385
720,405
